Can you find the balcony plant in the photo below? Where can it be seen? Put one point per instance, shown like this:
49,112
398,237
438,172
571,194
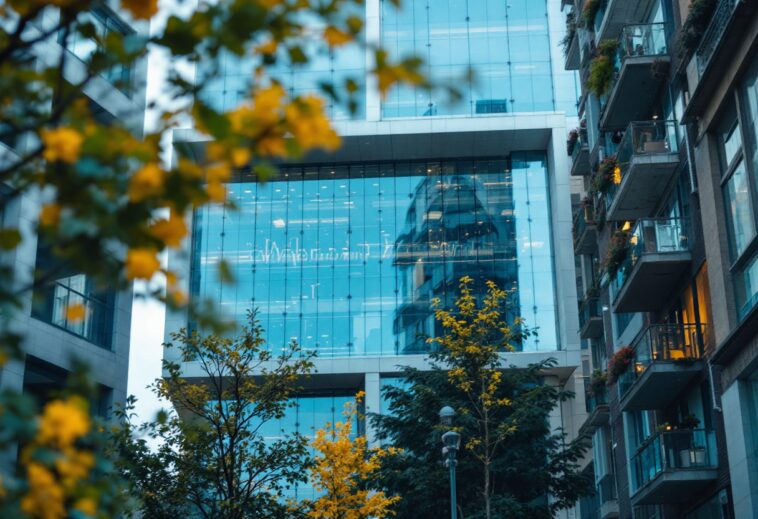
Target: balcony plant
598,383
619,364
617,252
571,141
570,33
695,25
694,454
602,68
589,12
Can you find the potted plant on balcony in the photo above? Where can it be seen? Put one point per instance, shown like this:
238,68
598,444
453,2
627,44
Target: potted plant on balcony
602,68
696,23
693,455
598,382
571,141
617,252
619,364
570,33
589,11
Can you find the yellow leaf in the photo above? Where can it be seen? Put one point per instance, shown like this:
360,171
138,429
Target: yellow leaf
75,313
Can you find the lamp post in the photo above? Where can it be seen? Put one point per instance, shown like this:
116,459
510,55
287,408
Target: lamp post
452,442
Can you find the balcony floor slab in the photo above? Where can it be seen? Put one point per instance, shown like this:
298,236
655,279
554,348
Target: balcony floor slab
674,486
633,96
651,282
660,384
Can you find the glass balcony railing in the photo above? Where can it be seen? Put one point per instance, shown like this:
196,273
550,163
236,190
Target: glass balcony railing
589,309
584,216
642,138
641,40
595,397
651,236
606,488
94,323
662,343
682,449
581,145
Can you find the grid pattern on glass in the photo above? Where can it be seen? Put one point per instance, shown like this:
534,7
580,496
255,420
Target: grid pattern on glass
346,259
307,415
104,23
226,80
507,44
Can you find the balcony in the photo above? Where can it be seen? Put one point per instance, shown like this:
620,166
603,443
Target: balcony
580,155
672,467
657,258
667,357
612,18
596,404
606,491
641,69
647,156
571,43
590,318
585,229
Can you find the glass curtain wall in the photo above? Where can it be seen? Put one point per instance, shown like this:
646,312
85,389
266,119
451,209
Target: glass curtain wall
507,45
226,80
346,259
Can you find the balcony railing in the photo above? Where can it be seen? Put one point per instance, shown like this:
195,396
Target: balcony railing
640,40
710,40
640,68
683,449
590,318
651,236
595,397
94,325
642,140
662,343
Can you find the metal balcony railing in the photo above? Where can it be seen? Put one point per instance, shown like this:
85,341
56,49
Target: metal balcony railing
662,343
94,326
682,449
643,138
651,236
712,36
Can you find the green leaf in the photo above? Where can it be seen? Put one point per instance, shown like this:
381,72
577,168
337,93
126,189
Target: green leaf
225,274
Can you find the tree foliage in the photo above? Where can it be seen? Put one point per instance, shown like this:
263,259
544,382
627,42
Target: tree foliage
342,470
213,460
511,460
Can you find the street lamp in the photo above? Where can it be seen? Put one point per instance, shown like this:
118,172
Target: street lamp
452,442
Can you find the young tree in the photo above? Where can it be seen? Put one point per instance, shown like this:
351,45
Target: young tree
214,460
342,470
511,460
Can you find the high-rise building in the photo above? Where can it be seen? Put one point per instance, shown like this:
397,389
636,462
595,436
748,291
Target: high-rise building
664,235
344,252
52,342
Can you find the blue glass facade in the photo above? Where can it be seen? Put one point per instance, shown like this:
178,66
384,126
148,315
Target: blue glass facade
507,45
227,80
307,415
346,259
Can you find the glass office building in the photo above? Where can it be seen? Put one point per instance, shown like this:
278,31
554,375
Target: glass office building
346,259
345,252
505,44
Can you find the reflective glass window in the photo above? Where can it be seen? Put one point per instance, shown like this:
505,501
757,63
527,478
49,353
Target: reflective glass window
346,259
507,45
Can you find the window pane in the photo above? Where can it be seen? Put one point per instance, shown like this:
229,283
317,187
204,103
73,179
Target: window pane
737,198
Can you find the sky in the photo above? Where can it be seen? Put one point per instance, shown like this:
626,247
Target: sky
148,315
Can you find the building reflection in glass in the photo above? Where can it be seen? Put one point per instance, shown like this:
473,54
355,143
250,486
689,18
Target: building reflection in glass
345,259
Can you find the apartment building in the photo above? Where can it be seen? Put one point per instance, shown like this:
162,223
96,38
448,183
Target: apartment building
663,235
345,251
52,342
